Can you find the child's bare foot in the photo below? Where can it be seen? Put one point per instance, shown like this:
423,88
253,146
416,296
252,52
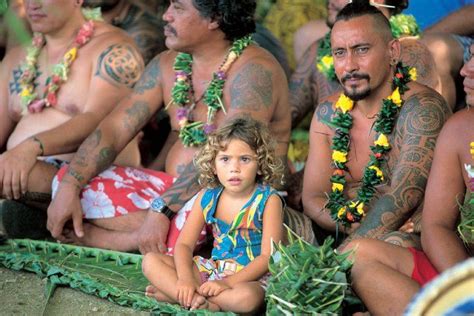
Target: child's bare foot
152,291
200,302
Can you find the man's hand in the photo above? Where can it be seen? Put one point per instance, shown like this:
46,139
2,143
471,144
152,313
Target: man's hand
15,167
153,233
65,206
186,290
213,288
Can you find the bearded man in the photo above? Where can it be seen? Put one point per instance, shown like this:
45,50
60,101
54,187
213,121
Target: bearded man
371,146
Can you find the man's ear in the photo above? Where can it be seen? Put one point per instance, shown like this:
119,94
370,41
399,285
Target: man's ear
395,50
213,25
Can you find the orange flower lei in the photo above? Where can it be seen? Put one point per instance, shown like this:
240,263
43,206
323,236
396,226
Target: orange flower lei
29,98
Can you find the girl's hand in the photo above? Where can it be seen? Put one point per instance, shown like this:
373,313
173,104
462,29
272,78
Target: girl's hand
186,290
213,288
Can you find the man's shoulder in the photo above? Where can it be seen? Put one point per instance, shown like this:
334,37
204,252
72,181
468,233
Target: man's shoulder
106,35
419,94
255,54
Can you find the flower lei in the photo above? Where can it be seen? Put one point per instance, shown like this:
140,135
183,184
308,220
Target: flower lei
194,133
29,99
401,25
352,211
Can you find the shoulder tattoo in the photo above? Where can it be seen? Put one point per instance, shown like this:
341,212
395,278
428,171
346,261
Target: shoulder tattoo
120,64
324,112
252,88
150,77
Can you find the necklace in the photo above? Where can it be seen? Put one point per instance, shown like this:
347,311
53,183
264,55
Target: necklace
30,101
352,211
401,25
194,133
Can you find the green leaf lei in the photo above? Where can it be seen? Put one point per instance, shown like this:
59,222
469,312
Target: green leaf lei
194,133
351,211
401,25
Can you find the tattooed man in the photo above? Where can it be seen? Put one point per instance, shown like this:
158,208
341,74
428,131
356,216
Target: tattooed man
53,99
309,86
366,58
254,84
387,276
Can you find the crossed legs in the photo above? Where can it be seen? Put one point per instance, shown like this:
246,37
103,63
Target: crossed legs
160,270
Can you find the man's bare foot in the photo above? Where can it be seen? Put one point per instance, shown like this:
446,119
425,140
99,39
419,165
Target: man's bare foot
98,237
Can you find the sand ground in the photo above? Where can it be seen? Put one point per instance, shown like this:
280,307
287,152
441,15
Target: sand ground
22,293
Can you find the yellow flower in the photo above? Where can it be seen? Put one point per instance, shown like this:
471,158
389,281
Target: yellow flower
26,91
70,56
472,149
327,60
395,97
337,187
344,103
378,172
413,73
359,208
339,156
382,140
341,212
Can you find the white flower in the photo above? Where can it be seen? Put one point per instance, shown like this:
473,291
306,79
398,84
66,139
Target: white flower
469,170
110,174
139,175
138,201
150,192
122,210
96,204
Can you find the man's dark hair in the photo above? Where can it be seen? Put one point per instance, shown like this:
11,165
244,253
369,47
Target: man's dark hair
235,17
359,8
399,5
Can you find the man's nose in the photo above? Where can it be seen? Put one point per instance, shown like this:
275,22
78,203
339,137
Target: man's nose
350,63
167,15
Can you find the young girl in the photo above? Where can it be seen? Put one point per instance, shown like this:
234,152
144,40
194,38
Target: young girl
236,166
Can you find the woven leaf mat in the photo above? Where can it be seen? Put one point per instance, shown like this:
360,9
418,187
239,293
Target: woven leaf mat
111,275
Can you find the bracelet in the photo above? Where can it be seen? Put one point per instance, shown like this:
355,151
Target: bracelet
36,139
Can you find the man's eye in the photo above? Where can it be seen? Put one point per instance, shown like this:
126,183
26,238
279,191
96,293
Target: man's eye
362,50
338,53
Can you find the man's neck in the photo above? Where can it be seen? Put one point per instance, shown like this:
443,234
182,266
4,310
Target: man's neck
64,36
210,57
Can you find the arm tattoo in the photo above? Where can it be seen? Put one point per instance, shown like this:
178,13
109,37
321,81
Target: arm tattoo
105,158
301,100
119,64
252,88
184,188
150,77
137,116
417,128
76,175
87,147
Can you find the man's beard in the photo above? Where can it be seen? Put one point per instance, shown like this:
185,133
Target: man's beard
352,93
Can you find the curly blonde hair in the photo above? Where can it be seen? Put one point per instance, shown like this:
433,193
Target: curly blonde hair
253,133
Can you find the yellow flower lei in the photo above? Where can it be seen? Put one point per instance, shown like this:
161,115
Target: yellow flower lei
350,211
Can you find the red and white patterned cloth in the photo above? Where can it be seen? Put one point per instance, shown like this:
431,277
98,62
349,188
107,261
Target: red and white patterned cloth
119,191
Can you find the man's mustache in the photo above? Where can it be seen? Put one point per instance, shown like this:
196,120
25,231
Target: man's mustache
355,75
170,29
